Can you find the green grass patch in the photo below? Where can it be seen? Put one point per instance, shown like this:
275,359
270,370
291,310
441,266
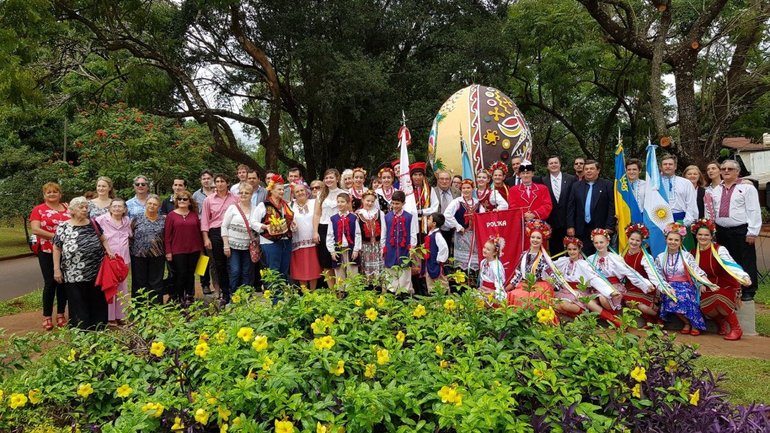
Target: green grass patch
763,293
32,301
746,381
13,241
763,321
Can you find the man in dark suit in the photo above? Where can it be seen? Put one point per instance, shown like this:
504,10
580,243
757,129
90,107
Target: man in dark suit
559,185
591,205
514,178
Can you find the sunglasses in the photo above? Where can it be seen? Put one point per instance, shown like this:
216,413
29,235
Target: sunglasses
140,184
728,169
182,199
315,187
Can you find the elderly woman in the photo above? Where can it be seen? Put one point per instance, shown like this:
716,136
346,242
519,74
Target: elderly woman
79,248
44,220
273,220
236,235
183,244
100,204
346,180
117,230
148,261
305,268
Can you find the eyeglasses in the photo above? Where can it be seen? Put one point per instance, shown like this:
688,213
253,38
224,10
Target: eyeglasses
140,184
315,187
182,199
728,169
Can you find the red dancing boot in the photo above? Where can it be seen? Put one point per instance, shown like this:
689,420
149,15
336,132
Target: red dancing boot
722,325
735,328
606,315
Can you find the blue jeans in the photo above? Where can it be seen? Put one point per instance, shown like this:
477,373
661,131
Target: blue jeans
241,269
278,255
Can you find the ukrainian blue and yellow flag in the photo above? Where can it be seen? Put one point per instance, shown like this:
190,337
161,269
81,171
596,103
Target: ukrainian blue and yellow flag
626,208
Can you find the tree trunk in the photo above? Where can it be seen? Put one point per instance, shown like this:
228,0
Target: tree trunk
689,146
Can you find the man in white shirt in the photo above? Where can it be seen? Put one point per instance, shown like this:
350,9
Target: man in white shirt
678,191
243,171
739,220
446,193
559,185
260,193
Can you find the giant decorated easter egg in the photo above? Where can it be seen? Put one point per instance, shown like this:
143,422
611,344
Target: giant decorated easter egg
489,124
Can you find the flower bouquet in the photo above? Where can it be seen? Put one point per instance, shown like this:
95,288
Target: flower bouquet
277,225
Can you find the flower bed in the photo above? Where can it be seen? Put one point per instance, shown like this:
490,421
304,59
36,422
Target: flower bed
324,362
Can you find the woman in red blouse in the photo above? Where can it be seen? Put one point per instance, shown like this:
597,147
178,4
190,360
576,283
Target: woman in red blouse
44,220
183,244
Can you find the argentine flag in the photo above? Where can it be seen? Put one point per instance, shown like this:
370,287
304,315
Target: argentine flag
657,211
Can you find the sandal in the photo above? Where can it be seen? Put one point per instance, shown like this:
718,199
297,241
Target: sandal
694,332
61,321
47,323
686,330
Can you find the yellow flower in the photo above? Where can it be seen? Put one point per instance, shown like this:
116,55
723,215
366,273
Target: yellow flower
400,337
223,428
449,304
546,315
123,391
224,413
636,391
419,311
2,394
210,399
267,363
439,350
202,350
459,277
450,395
339,369
284,427
318,326
370,371
260,343
85,389
671,366
153,409
202,416
236,298
73,355
538,372
178,424
267,294
303,288
383,356
245,334
329,320
203,337
320,428
371,314
251,375
358,302
381,301
17,400
237,422
220,336
695,397
326,342
639,374
35,396
157,348
444,363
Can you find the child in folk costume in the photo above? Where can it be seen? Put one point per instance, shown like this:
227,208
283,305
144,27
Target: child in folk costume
681,271
644,264
401,237
436,253
489,198
459,216
386,189
612,267
343,241
721,269
358,189
574,270
371,224
492,272
532,262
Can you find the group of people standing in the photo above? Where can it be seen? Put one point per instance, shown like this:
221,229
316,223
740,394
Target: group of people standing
346,223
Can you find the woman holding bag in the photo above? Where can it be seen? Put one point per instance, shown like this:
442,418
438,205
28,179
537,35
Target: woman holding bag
237,235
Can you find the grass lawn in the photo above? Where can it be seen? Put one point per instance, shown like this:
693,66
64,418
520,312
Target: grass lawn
746,380
32,301
13,241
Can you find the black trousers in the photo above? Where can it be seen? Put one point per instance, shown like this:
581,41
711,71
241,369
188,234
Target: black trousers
220,262
734,239
51,289
88,307
147,273
556,243
184,275
588,245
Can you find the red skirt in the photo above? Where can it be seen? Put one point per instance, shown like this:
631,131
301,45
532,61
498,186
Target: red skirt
541,293
304,264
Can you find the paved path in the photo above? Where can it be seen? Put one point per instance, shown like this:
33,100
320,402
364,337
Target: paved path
19,277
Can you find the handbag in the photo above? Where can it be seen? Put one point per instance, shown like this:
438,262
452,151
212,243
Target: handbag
255,252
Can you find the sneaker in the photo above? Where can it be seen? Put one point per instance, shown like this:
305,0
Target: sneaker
207,290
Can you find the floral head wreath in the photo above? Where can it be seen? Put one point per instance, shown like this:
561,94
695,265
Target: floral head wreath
468,182
275,180
600,232
359,170
571,240
499,165
675,228
369,192
497,242
539,226
386,170
299,183
643,231
703,223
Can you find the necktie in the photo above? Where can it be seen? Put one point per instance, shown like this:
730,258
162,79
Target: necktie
556,188
588,202
529,192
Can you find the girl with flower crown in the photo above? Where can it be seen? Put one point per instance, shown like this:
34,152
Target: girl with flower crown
614,269
643,263
371,222
386,189
534,261
357,190
492,272
499,172
681,271
721,269
459,216
489,198
574,270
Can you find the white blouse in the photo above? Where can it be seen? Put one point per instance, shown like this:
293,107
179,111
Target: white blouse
614,266
573,271
329,206
302,237
234,227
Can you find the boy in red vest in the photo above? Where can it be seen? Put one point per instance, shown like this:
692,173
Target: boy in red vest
344,240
